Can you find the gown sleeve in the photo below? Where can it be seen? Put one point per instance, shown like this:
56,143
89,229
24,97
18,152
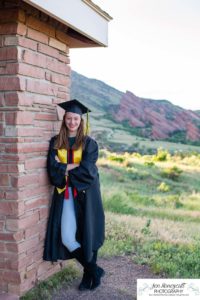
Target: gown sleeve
84,176
56,171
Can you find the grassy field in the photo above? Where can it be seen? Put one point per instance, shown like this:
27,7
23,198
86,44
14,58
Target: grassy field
152,206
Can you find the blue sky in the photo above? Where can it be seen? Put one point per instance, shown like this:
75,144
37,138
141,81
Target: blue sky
154,50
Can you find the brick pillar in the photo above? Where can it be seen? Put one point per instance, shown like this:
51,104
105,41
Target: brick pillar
34,77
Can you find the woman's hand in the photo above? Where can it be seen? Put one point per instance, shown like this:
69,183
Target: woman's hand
72,166
69,166
57,159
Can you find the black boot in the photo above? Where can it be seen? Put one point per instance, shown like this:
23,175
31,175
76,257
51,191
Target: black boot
95,271
87,278
86,281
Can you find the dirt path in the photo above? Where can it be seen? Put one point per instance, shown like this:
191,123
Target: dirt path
119,283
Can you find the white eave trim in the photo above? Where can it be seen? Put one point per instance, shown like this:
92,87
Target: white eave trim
98,9
81,15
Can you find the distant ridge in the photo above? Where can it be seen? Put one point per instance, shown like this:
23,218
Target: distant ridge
114,110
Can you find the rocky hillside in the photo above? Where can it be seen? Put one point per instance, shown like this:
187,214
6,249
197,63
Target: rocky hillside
94,93
118,116
158,119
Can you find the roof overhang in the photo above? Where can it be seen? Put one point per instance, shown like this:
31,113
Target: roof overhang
86,21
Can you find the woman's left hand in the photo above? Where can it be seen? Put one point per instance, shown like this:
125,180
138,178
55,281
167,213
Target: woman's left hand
72,166
57,159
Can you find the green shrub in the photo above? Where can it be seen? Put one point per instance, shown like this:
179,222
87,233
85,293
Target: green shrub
135,174
141,200
149,163
161,155
118,158
118,203
136,154
129,164
172,173
178,261
163,187
178,204
178,136
146,229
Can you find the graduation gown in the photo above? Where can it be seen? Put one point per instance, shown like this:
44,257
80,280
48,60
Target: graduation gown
88,204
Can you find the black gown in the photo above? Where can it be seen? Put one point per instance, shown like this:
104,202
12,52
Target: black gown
88,204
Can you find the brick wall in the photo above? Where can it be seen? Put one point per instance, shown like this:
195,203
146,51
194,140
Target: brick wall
34,77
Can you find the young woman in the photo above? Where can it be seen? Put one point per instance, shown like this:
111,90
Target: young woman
76,220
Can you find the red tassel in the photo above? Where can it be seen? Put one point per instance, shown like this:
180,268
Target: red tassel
75,193
67,193
67,190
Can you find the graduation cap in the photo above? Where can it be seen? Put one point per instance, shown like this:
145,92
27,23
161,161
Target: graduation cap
74,106
77,107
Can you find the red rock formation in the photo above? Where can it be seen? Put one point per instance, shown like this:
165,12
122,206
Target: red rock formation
161,116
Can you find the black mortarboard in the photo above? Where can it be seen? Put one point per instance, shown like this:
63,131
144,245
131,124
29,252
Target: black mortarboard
74,106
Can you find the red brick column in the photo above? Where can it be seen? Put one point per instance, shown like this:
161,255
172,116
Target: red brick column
34,77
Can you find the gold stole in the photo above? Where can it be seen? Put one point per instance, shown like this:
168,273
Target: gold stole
62,155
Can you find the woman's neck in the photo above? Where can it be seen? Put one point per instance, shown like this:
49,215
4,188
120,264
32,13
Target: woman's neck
71,134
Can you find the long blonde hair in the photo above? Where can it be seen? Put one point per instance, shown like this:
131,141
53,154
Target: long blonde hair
62,138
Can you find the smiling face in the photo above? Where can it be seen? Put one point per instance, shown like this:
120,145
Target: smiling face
72,122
